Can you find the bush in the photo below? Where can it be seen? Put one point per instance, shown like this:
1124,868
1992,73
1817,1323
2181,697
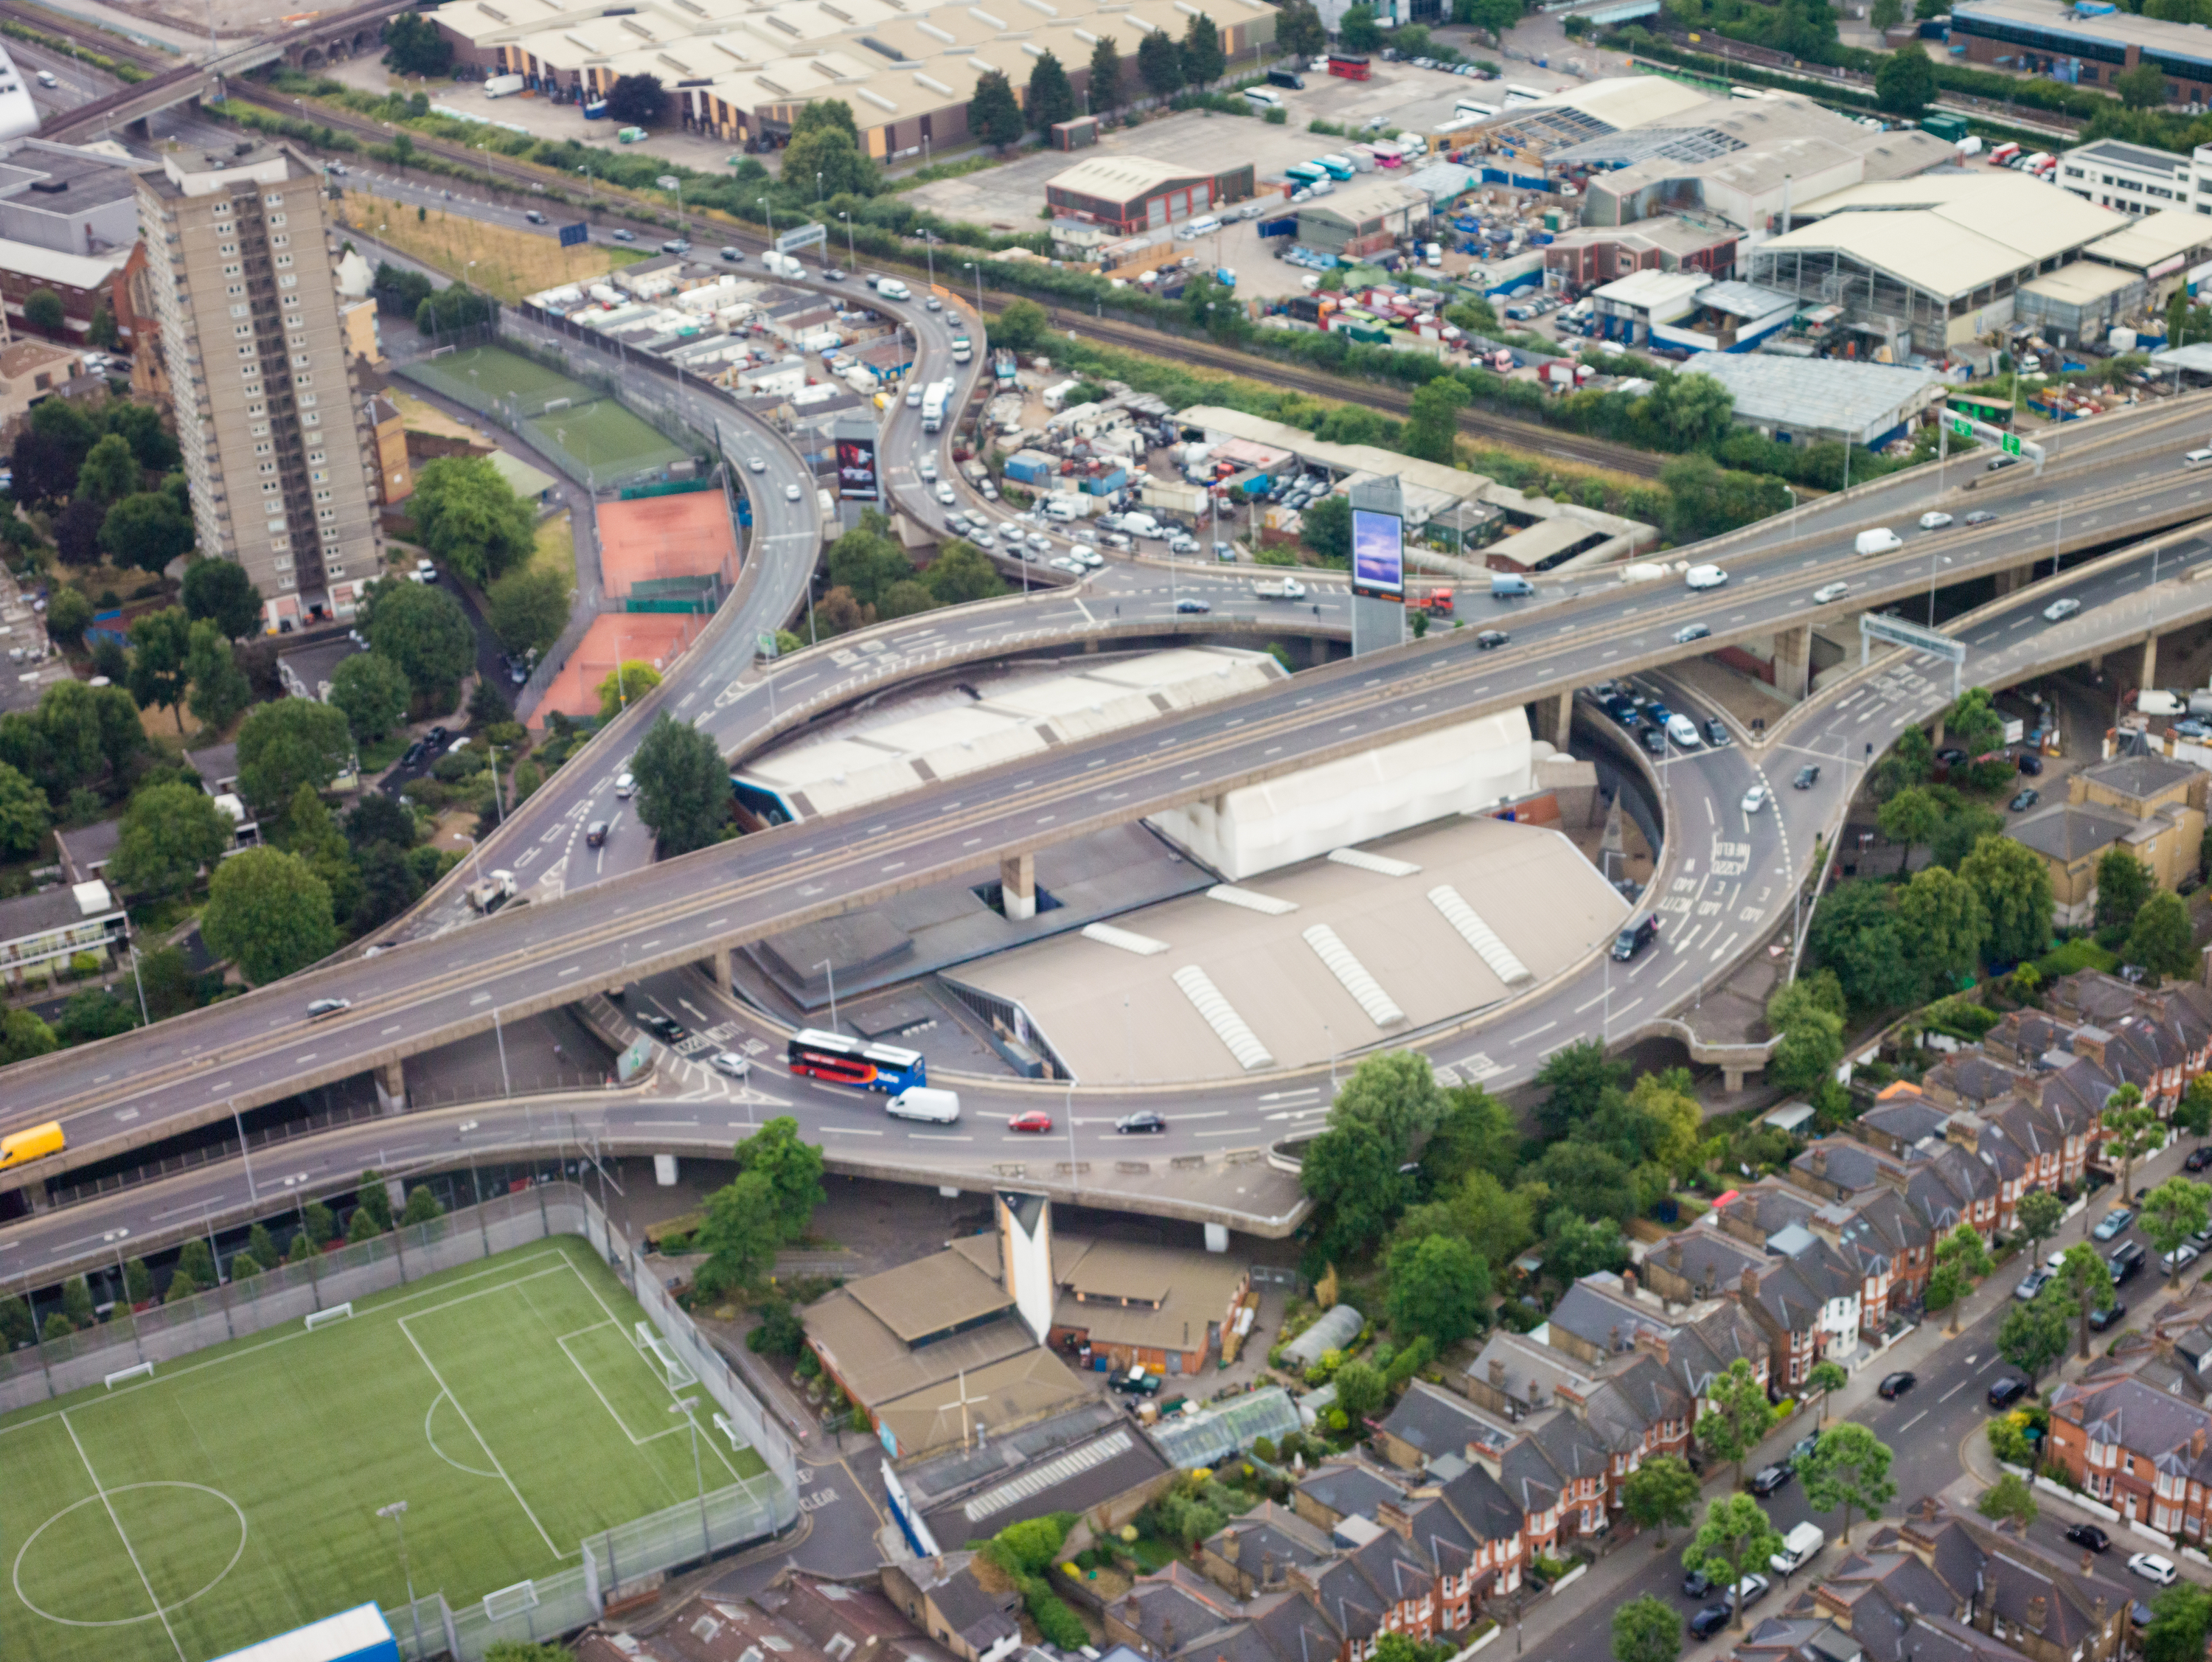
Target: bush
1059,1624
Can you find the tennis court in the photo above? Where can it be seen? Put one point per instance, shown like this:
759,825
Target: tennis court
233,1494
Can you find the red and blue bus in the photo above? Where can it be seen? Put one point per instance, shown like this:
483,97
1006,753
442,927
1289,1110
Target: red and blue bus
843,1060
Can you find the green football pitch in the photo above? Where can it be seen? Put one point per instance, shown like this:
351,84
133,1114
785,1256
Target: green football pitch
493,373
233,1495
605,438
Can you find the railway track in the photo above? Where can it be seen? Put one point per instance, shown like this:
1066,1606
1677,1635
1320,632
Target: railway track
1480,425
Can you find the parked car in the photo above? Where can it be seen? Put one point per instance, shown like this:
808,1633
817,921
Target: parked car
2023,801
1767,1479
2032,1284
2030,762
1709,1620
2114,1223
2199,1158
2007,1391
2179,1259
1896,1386
2152,1567
2089,1535
2110,1316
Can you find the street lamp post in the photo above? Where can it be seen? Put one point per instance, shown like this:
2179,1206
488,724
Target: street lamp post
830,969
851,258
683,1405
397,1511
674,182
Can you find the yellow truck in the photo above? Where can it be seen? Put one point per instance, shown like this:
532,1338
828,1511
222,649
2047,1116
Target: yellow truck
21,1147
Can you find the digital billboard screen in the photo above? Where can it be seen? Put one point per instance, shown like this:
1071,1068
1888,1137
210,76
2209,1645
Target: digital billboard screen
1378,554
856,470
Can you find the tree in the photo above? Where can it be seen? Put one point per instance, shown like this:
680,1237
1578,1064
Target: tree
1358,30
1735,1540
1962,1260
637,101
218,591
1854,934
2162,938
1203,60
363,1227
1905,83
1159,64
147,530
1577,1080
42,311
322,1224
2180,1616
2131,1130
2033,1335
262,1244
1103,87
422,1206
1661,1493
1325,527
370,1196
682,785
1939,914
23,1035
2084,1280
868,561
1474,1131
1827,1378
2010,1500
1439,1287
1811,1037
1300,33
68,615
1848,1468
1737,1415
167,978
960,574
422,629
793,1171
2193,1113
369,690
2172,1212
2040,1213
1646,1630
195,1263
1886,13
23,814
288,744
159,643
2142,88
1051,99
413,45
77,1303
268,914
740,1236
170,833
528,609
826,140
633,678
1359,1390
1911,817
993,116
2014,886
1576,1245
469,516
220,689
109,472
1494,16
1020,327
1431,429
2123,883
137,1283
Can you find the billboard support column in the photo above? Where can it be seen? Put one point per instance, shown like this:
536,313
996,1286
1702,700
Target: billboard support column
1378,565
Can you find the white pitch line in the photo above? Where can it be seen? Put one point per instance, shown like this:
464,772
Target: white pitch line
101,1489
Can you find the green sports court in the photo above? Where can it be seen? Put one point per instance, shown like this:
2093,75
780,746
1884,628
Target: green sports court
233,1495
603,440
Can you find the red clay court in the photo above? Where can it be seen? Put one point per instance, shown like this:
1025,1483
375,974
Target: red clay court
653,539
652,637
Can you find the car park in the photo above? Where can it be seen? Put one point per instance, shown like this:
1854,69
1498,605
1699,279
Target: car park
2152,1567
1808,776
1896,1386
1756,799
2114,1223
730,1064
2059,610
2089,1535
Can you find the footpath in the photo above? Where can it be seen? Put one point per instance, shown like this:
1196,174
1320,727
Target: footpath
1608,1582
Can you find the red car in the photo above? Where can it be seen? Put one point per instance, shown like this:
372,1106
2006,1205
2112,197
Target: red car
1036,1120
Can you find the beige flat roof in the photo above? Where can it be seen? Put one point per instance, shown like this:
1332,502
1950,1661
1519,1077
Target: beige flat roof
1116,1017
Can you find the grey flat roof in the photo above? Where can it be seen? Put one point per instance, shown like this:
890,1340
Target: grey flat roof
2121,152
1811,393
39,914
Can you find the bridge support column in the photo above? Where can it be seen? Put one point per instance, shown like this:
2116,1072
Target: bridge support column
2149,676
1793,661
1732,1079
1936,735
391,1087
1564,725
2012,577
664,1171
2096,663
718,965
1017,886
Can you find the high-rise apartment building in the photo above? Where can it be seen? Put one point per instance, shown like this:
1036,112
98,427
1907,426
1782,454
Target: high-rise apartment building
267,416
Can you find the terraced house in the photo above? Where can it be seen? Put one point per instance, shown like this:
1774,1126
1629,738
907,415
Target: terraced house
1876,1234
1805,1298
2135,1429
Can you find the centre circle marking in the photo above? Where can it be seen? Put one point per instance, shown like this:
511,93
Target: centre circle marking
15,1572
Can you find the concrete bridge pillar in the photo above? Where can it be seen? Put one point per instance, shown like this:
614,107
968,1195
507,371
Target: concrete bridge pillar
1793,661
1017,886
2149,676
1935,736
1732,1079
391,1087
1564,725
2096,663
718,965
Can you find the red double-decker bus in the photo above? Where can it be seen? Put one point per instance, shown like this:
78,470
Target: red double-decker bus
1352,65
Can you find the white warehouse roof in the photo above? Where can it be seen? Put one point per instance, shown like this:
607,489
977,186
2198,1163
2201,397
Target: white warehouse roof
1947,232
1827,395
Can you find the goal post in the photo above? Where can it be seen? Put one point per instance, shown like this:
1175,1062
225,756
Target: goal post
143,1371
516,1600
673,1372
337,1312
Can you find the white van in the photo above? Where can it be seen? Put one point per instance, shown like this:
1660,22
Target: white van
1881,540
2197,458
920,1102
1264,97
1206,225
1799,1548
1061,508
